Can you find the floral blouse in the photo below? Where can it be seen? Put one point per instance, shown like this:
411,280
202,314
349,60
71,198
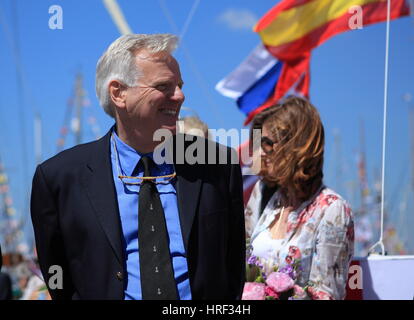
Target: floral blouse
321,228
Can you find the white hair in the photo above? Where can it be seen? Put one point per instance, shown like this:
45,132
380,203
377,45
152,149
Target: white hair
118,63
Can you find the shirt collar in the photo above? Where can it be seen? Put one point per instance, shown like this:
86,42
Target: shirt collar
273,209
128,157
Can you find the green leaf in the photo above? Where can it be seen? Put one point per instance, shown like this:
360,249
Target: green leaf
260,279
252,272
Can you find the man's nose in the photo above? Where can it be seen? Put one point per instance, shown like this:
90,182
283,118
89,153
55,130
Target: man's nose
178,95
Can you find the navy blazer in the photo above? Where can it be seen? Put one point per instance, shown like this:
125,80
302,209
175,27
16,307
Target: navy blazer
77,226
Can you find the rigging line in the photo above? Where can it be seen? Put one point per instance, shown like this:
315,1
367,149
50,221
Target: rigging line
22,84
21,104
384,130
168,16
117,16
66,122
202,83
192,64
189,18
16,55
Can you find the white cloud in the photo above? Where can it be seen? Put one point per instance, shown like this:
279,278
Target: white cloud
238,19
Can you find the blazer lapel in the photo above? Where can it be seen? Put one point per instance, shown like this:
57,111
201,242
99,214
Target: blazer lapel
101,192
188,186
187,195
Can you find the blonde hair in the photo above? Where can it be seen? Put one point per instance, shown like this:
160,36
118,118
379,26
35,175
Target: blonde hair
193,125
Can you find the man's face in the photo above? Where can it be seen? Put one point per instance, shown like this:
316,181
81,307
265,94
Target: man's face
156,100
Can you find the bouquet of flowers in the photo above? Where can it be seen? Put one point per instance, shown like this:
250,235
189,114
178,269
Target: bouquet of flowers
266,281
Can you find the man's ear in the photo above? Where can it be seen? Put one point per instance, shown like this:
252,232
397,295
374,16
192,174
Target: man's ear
117,93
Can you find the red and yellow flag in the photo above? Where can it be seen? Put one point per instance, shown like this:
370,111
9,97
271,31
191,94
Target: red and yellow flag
292,28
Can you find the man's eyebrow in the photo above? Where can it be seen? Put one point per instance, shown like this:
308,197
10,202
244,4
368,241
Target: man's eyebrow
167,81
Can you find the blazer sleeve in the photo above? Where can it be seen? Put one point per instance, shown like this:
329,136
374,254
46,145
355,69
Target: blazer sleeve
48,237
236,257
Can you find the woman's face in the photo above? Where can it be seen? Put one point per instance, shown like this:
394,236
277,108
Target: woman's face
266,149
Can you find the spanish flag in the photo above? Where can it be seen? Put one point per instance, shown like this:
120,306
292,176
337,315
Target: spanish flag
292,28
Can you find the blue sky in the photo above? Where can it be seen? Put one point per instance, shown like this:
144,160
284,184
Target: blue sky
347,83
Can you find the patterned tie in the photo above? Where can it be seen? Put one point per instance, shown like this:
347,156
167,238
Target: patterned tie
157,277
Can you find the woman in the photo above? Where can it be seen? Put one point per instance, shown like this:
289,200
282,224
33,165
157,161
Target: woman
304,221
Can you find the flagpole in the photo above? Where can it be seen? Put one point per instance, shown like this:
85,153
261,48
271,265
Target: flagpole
384,131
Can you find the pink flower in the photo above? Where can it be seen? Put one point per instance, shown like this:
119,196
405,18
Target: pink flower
299,292
271,293
319,294
305,216
327,200
294,252
279,282
253,291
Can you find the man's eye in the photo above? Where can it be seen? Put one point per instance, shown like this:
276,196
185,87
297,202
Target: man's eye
162,87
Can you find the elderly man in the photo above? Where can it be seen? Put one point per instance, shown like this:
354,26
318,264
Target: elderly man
110,222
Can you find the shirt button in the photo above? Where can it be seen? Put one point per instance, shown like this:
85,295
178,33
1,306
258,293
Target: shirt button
119,276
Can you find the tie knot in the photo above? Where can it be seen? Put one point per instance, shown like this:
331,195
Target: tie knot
147,163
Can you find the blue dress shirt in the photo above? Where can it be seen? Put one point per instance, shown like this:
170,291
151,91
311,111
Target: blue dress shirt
128,159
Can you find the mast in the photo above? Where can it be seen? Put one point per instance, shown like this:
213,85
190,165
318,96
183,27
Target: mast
9,226
338,156
362,171
79,95
77,102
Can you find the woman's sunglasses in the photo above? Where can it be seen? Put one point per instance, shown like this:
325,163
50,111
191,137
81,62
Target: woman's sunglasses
267,145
